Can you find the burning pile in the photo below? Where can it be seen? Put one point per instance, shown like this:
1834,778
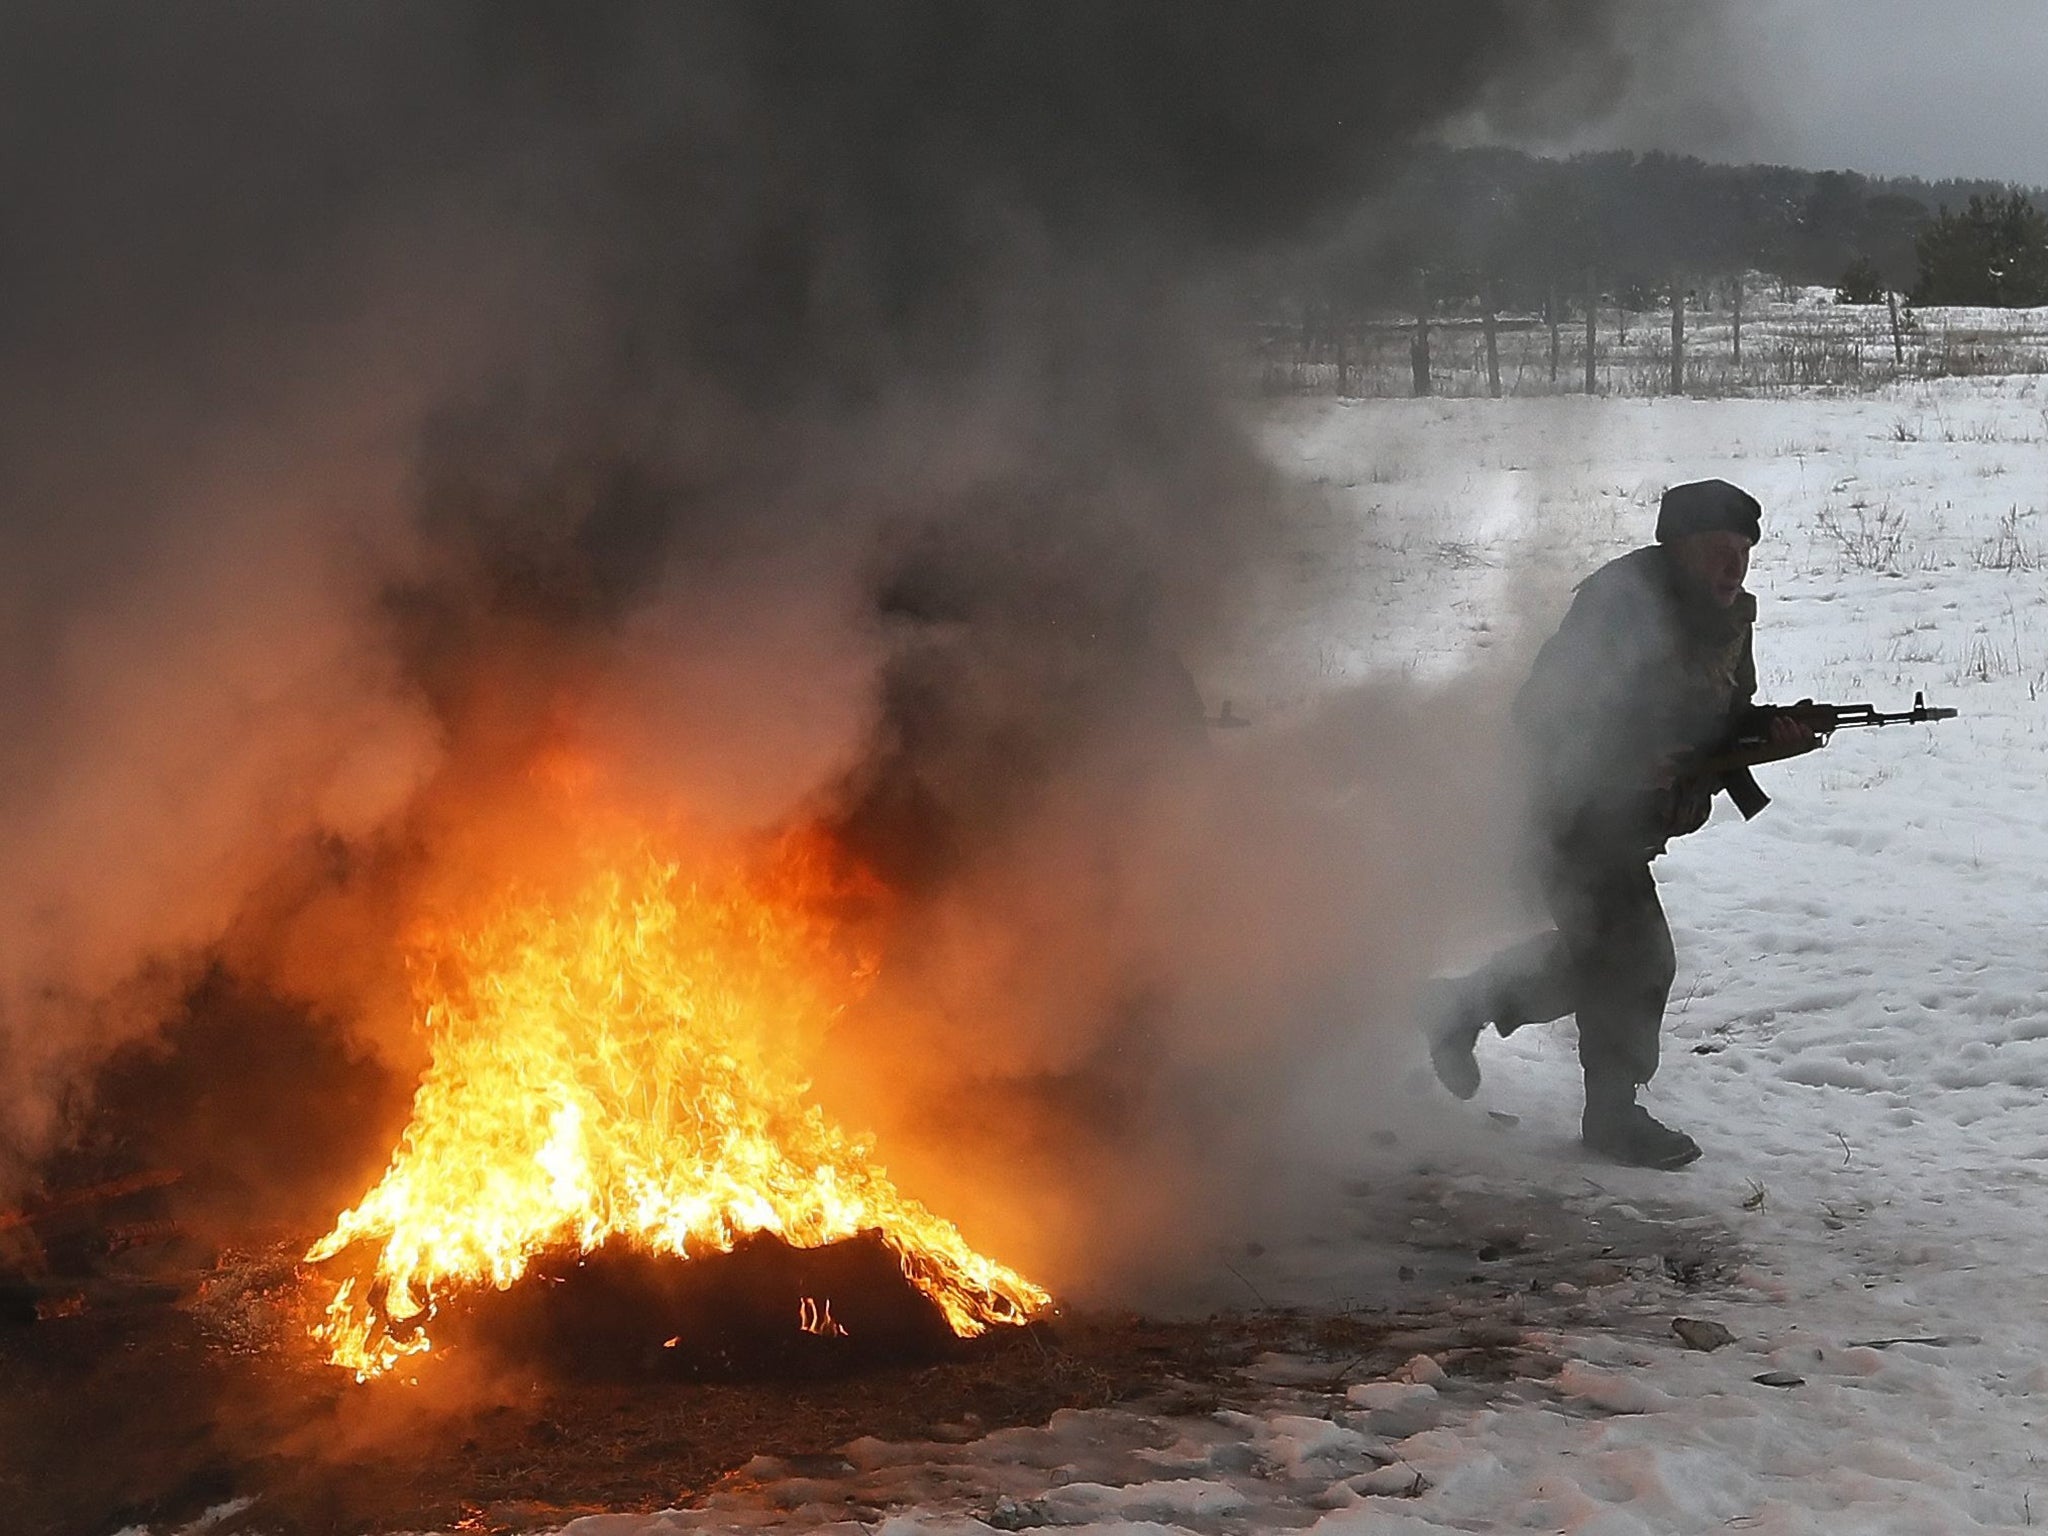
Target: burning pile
620,1059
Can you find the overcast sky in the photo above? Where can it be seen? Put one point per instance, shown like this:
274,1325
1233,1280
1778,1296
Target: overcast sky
1895,87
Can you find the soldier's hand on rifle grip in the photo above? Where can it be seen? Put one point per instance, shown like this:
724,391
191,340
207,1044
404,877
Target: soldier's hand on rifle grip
1789,736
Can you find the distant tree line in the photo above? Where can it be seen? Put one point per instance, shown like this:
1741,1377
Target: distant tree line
1993,251
1496,227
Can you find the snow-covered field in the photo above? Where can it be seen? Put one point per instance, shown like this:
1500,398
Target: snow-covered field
1859,1035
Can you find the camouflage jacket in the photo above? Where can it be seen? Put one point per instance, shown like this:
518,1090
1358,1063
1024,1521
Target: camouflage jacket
1640,671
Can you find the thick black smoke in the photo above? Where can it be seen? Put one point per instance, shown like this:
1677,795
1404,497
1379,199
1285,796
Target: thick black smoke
813,400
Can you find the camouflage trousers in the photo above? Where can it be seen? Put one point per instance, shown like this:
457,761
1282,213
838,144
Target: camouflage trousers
1608,960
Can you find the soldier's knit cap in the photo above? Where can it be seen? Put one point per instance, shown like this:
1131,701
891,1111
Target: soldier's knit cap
1708,506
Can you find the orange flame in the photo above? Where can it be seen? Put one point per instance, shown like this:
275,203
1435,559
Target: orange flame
625,1061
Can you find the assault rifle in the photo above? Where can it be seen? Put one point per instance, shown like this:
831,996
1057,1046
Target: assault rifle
1749,743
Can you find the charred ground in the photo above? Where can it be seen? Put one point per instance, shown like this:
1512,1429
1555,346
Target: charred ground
151,1373
155,1410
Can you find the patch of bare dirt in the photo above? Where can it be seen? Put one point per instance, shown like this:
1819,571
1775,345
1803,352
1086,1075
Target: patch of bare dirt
152,1412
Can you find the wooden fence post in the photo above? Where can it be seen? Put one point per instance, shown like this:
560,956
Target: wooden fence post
1677,338
1891,301
1738,321
1552,312
1492,350
1592,309
1418,349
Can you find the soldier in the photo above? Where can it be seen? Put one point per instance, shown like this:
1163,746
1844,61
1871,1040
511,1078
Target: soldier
1649,667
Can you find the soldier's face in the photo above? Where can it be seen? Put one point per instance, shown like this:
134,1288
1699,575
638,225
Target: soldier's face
1716,563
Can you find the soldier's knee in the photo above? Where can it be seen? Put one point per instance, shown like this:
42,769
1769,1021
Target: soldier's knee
1640,986
1660,969
1653,961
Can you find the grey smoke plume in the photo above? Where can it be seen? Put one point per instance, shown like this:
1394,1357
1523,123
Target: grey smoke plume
809,400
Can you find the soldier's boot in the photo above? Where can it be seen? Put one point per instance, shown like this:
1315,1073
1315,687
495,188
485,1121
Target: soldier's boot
1621,1130
1452,1022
